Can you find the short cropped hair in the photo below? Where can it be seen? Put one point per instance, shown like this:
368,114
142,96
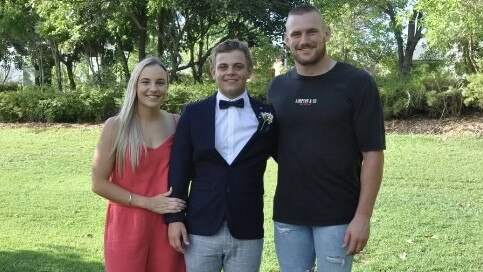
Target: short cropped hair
229,46
302,9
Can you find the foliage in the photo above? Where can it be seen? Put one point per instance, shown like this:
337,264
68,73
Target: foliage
34,105
443,93
431,90
473,92
264,57
424,220
106,34
93,104
183,91
401,96
366,32
91,43
181,94
351,24
455,24
22,106
9,87
16,23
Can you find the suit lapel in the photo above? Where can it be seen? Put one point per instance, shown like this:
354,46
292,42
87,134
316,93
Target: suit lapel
209,124
257,109
209,120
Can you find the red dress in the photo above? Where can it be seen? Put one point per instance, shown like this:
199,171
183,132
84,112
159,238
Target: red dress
136,239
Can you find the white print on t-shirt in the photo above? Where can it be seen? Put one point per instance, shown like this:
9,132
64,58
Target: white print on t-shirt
305,101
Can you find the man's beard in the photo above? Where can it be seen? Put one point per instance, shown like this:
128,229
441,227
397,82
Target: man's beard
308,62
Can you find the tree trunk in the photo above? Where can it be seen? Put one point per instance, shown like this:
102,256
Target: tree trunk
58,71
6,73
70,72
142,44
39,68
414,35
37,74
122,58
43,71
389,10
125,66
195,67
90,64
470,68
199,63
162,20
142,23
174,62
99,70
174,37
191,63
471,55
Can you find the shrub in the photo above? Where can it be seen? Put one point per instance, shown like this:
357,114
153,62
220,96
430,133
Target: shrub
22,106
473,92
444,102
258,89
99,104
5,87
430,91
400,96
181,94
33,104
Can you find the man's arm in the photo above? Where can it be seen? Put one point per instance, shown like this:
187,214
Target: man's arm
180,164
179,177
357,233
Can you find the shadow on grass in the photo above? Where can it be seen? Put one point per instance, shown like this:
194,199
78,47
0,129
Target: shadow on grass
51,259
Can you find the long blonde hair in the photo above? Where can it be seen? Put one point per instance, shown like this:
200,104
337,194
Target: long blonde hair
129,138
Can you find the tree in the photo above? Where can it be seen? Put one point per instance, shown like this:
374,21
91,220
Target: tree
413,35
457,22
360,34
138,12
17,31
59,25
365,25
198,26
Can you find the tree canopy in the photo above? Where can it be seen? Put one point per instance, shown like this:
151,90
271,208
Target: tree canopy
99,40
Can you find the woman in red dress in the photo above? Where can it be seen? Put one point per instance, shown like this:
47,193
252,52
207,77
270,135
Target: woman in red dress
130,169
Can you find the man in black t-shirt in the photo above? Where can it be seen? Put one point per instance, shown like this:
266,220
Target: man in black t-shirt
330,152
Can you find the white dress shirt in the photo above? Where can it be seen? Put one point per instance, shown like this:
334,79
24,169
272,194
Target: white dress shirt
233,127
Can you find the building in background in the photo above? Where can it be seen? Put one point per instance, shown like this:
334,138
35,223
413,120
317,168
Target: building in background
10,74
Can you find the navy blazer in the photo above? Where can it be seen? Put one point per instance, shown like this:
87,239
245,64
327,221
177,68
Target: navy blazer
219,191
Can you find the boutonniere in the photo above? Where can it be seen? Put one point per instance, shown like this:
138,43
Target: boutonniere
267,118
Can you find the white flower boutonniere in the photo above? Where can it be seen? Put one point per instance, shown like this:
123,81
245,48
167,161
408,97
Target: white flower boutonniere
267,118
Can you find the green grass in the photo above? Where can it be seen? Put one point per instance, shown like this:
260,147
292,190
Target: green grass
428,216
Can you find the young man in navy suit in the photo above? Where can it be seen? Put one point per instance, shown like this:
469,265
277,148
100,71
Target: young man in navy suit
220,152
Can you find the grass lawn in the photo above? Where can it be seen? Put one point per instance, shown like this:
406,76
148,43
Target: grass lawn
428,216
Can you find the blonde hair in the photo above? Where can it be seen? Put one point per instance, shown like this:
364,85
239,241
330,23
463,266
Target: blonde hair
129,139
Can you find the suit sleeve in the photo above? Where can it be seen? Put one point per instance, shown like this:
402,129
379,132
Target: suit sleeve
181,164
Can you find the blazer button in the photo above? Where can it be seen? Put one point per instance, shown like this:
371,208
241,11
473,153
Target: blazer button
227,190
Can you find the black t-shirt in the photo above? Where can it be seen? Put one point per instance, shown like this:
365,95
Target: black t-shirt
325,123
